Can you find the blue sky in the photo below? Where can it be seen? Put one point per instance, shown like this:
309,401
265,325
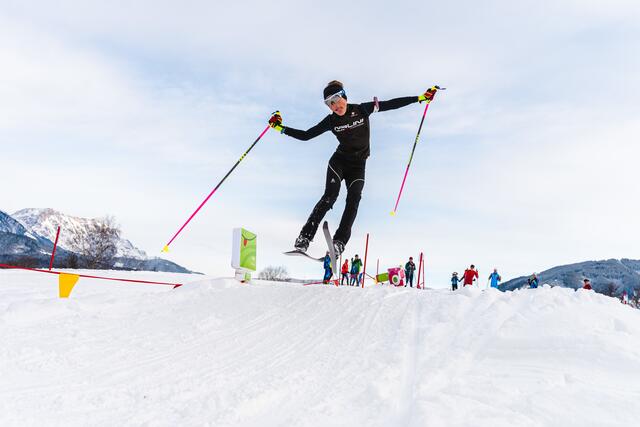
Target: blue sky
527,161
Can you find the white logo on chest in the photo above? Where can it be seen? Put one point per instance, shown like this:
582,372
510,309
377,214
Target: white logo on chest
355,124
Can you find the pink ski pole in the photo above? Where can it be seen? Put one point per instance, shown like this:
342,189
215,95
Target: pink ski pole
426,107
166,247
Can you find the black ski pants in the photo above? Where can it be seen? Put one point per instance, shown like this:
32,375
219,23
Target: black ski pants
409,279
345,278
352,172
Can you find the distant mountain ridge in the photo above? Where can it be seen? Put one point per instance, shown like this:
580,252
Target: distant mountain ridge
27,237
609,277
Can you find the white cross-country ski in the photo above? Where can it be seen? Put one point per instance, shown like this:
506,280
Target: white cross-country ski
296,252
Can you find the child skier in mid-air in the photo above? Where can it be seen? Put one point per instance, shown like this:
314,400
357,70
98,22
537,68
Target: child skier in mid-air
350,124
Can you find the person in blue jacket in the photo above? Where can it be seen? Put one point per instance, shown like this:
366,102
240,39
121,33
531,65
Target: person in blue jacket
533,281
327,268
356,263
495,278
454,281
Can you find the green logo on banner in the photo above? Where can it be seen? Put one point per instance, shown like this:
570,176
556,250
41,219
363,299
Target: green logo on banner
248,250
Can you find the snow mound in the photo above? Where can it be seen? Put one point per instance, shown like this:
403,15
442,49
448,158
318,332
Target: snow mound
220,353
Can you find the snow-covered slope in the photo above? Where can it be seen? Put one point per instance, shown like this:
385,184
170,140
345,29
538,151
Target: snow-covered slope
45,222
218,353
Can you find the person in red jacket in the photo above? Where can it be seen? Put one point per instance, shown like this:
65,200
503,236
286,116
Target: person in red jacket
345,272
469,276
587,284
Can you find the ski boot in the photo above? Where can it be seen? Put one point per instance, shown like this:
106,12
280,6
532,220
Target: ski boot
301,244
338,247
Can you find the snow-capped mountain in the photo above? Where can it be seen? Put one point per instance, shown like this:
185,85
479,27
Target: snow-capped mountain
610,277
26,239
45,222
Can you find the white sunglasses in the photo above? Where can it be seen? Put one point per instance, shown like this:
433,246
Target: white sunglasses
332,99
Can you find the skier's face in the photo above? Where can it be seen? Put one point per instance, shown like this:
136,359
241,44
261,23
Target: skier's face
339,106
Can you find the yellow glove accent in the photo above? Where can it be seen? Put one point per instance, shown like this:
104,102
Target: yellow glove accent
275,125
422,97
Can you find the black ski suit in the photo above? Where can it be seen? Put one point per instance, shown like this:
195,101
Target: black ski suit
409,268
347,163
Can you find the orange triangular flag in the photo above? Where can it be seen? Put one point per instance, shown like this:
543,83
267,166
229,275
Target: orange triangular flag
66,282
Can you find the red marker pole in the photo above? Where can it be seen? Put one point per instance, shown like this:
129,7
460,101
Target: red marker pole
366,251
423,275
53,252
419,269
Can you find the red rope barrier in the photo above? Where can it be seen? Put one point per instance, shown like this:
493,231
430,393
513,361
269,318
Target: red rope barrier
147,282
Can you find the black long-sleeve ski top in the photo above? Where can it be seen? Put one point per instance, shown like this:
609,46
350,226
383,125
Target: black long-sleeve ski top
351,129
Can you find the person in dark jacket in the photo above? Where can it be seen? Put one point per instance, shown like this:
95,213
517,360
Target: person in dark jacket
409,268
350,124
327,268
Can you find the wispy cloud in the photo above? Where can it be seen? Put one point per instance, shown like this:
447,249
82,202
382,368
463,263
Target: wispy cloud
138,109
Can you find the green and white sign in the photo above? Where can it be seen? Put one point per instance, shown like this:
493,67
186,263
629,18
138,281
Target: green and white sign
244,250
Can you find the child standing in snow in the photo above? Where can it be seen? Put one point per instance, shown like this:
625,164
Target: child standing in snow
533,281
454,281
345,272
355,271
586,285
327,269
